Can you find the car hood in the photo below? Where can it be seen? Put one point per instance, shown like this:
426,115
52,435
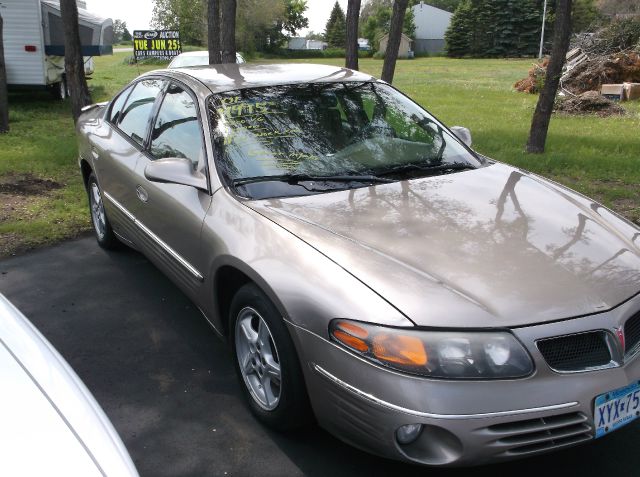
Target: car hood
491,247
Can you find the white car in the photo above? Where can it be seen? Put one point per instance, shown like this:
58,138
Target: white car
50,424
197,58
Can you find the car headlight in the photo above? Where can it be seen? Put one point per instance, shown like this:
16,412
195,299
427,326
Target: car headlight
436,354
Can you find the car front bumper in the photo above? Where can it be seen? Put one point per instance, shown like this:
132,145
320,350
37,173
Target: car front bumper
465,422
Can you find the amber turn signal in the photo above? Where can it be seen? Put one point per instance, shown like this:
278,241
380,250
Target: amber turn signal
351,341
399,349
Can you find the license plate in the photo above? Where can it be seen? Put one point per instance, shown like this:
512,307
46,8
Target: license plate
617,408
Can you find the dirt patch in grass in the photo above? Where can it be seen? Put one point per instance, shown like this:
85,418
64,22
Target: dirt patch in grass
26,184
19,191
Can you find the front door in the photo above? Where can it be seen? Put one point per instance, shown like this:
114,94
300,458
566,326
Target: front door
171,215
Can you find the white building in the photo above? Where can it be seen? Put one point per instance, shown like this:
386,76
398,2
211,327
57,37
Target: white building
299,43
431,25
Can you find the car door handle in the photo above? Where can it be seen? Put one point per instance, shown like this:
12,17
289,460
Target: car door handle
142,194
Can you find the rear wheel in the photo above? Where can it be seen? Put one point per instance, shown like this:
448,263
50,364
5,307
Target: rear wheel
266,361
101,226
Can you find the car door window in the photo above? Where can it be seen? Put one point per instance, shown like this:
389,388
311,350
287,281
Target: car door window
176,132
116,109
134,117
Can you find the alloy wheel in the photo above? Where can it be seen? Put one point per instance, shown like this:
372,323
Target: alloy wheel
97,211
258,358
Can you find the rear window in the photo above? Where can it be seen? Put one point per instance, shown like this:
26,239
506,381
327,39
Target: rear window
134,118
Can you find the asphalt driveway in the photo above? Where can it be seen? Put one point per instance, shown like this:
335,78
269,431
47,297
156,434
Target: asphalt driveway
167,383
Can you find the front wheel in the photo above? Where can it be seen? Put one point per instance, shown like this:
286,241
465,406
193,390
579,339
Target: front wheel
101,226
266,361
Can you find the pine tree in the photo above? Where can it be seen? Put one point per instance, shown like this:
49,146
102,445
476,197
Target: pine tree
335,33
458,35
494,28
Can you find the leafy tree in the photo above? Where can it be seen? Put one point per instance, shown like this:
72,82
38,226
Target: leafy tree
255,24
375,19
395,36
336,30
260,24
126,35
613,7
289,22
351,53
228,30
188,16
312,35
213,32
294,16
544,108
585,14
73,60
119,28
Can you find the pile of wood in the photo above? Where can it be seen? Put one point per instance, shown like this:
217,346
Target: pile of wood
584,73
592,73
590,102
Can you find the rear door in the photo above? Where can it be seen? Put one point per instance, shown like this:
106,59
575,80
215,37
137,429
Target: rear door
171,215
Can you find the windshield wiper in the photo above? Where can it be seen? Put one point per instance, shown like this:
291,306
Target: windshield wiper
295,179
437,168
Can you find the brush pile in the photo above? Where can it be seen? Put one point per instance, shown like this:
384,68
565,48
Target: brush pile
590,102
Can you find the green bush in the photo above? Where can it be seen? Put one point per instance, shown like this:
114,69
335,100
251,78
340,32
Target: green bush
378,55
620,35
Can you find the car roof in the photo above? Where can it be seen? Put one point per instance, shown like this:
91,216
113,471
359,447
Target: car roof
195,53
229,77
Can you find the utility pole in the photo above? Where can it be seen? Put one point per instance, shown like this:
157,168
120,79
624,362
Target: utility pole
544,21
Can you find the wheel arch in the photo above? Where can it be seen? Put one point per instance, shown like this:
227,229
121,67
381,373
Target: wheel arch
86,169
229,276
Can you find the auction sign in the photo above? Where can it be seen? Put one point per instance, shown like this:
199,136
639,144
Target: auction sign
161,44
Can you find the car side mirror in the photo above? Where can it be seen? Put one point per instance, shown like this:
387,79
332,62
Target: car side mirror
463,134
174,170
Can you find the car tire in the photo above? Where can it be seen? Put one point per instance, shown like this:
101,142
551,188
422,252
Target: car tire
101,226
266,362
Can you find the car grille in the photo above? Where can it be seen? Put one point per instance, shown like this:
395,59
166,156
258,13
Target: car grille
542,434
577,352
632,333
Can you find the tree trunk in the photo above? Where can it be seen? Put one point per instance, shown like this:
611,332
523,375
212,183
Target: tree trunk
213,31
73,61
228,22
4,98
395,36
353,15
544,108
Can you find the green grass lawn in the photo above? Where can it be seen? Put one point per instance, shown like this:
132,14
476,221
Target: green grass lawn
597,156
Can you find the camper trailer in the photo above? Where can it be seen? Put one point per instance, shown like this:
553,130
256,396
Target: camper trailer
34,43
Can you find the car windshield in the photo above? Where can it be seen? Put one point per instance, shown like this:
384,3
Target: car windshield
301,139
189,60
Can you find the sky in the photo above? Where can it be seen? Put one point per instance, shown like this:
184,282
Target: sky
137,13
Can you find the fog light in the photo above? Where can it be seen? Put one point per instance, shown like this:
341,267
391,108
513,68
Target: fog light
408,433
